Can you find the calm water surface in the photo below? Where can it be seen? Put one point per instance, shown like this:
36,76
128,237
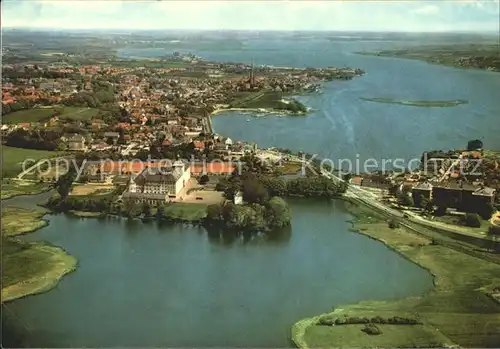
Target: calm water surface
143,285
345,126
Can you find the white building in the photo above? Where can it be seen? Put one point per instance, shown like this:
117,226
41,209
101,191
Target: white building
155,185
238,198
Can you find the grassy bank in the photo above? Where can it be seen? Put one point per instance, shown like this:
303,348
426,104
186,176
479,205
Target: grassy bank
479,56
459,310
428,104
16,221
29,267
86,214
11,188
185,211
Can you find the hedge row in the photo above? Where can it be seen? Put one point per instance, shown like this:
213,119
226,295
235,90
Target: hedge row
395,320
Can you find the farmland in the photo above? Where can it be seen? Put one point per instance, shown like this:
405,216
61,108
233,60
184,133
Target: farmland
13,158
44,114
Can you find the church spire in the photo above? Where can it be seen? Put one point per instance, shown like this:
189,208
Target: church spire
252,75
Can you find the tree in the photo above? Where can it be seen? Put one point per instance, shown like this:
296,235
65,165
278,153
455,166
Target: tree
372,330
474,145
130,208
252,164
160,212
275,186
254,192
215,212
64,183
229,186
146,209
406,200
472,220
278,213
203,179
394,224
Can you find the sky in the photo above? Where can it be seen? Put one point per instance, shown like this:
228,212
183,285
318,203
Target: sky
389,15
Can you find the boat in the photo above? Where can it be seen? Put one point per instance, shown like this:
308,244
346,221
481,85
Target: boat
248,120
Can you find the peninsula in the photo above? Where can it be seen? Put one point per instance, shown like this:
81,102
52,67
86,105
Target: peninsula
479,56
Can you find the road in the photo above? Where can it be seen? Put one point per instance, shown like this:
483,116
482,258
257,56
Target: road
422,227
127,150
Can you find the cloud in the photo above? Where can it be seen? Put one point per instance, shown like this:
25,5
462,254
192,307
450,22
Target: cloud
252,15
427,10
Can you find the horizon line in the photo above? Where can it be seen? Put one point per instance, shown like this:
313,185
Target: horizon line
492,31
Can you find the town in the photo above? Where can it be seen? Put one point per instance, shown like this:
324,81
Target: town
124,111
179,176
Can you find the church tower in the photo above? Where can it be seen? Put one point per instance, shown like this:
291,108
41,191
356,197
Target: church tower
252,75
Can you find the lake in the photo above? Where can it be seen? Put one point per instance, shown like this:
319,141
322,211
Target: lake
144,285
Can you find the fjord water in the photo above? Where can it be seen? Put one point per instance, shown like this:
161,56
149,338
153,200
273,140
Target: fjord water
142,285
343,125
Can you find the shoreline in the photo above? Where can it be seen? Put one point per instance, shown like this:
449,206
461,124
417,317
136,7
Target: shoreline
256,110
19,221
57,261
413,248
64,264
86,214
9,195
403,242
422,59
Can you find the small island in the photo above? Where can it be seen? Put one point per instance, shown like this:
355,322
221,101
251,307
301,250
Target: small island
422,103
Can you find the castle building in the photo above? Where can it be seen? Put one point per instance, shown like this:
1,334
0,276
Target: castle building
156,185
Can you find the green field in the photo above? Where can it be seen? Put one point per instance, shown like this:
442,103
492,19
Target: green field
186,212
77,113
12,158
16,221
12,188
44,114
441,104
29,115
31,268
393,336
461,306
